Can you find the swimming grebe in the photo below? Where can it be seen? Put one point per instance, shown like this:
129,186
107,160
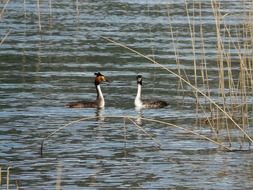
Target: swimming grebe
139,103
99,102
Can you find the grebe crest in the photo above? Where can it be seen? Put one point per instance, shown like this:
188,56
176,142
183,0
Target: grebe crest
139,103
99,78
99,102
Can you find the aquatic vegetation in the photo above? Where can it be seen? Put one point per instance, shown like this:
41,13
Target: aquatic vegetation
231,109
196,55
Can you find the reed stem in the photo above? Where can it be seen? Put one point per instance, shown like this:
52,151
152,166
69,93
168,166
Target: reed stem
185,81
2,12
6,35
8,178
131,118
38,9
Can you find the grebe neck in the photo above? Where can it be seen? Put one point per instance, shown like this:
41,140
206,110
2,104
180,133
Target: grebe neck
100,97
137,101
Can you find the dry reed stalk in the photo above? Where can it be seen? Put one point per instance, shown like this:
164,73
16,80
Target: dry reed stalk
251,26
228,132
17,186
58,177
89,118
208,120
185,81
192,31
192,34
152,54
247,80
220,49
151,39
250,59
143,130
237,95
131,118
176,52
125,131
77,8
50,14
6,35
50,7
203,53
245,77
51,134
24,8
38,9
222,57
231,85
8,178
204,70
189,131
227,59
2,12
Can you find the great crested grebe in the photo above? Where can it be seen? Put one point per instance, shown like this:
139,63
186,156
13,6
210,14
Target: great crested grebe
139,103
99,102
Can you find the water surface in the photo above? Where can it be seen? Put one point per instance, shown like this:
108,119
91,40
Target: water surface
41,71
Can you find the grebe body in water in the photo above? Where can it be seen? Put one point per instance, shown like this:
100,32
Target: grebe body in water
139,103
99,102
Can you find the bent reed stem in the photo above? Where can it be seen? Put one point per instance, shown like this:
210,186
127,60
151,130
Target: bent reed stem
185,81
131,119
6,35
2,11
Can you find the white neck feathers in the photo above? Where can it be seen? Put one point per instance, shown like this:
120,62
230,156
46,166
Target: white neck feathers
100,97
137,101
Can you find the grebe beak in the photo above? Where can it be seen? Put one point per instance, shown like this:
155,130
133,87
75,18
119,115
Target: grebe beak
106,80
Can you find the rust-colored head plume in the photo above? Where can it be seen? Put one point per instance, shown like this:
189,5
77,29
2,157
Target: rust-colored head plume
99,78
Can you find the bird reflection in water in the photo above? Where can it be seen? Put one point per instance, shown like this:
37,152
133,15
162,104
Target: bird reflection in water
139,116
99,114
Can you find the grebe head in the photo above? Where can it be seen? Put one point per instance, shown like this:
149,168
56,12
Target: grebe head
99,78
139,79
